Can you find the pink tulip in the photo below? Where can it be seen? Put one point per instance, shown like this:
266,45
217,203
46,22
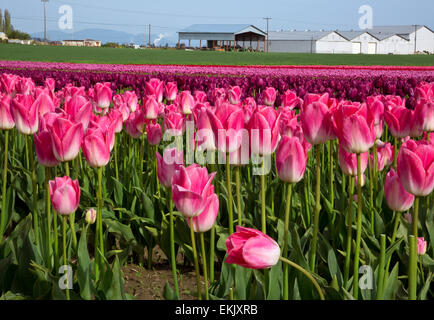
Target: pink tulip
25,114
64,194
170,91
205,220
249,106
131,127
44,103
190,189
290,99
50,84
96,147
218,93
44,149
252,249
174,121
151,109
79,109
291,159
108,126
316,122
25,86
154,133
416,167
166,165
424,91
227,125
186,102
396,197
66,138
269,96
399,120
376,112
385,154
348,161
6,120
200,96
8,82
103,94
234,95
424,115
204,136
130,98
116,120
264,130
155,87
354,129
421,246
90,216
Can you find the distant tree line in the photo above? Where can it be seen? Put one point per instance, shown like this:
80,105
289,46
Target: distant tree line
7,27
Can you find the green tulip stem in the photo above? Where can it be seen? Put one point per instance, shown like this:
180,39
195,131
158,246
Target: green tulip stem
72,216
375,165
196,263
285,240
228,186
371,193
48,212
263,191
349,231
116,160
331,173
205,273
359,229
317,207
3,216
307,274
392,241
34,189
380,285
412,268
172,243
65,253
395,153
238,187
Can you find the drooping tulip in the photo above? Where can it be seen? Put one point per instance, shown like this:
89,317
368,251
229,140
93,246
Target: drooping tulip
252,249
264,130
66,138
291,159
64,195
396,197
25,114
416,167
190,189
6,120
166,165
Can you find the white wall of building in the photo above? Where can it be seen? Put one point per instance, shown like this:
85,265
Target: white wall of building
368,44
333,43
424,40
394,45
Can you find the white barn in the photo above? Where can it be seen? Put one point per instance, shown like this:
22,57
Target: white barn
378,40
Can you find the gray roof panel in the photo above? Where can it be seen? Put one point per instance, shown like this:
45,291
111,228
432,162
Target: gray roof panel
215,28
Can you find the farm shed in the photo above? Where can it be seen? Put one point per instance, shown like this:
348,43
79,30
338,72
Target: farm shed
224,36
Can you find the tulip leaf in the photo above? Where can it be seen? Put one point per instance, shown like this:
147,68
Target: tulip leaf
242,277
274,282
423,292
116,289
83,267
391,284
168,292
118,192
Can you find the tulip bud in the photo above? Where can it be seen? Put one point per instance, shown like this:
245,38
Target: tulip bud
90,216
421,246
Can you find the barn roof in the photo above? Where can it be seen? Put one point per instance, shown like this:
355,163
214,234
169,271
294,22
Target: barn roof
297,35
222,28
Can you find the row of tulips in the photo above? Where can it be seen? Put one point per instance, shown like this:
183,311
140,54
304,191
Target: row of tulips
241,131
352,84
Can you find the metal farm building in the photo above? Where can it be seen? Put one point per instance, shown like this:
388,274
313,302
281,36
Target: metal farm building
378,40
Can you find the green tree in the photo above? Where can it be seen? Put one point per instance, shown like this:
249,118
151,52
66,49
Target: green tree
7,26
1,21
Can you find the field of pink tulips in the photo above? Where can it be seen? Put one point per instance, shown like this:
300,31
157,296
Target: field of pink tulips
280,183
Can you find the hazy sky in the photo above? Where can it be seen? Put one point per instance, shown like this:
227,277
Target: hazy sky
170,16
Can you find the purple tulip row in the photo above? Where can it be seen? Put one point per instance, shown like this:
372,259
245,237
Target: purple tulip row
353,83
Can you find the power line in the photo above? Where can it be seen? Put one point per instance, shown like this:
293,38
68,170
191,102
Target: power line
45,19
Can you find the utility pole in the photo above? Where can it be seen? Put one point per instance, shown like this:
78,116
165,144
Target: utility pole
267,18
415,32
45,20
149,36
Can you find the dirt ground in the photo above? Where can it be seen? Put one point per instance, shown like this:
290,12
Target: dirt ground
145,284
